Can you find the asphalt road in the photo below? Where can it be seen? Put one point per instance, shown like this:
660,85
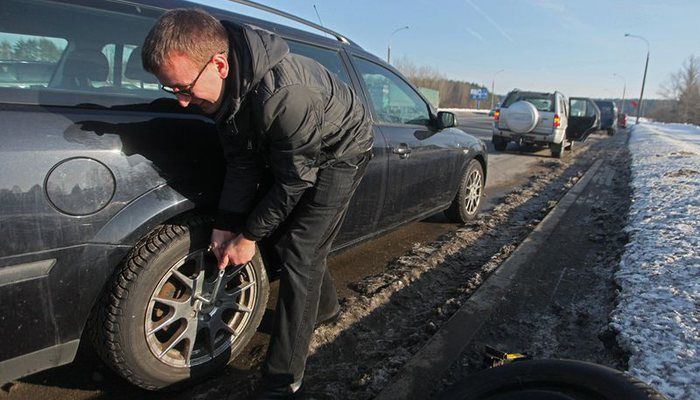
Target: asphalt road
86,379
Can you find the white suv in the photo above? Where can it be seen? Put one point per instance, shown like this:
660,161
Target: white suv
545,119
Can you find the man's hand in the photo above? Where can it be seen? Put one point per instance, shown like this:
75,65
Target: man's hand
218,239
237,251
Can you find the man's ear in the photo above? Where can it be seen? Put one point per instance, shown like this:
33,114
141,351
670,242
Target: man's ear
222,66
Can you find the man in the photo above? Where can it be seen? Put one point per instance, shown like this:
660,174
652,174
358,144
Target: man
282,116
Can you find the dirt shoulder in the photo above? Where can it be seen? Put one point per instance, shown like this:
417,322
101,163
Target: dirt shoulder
563,298
395,313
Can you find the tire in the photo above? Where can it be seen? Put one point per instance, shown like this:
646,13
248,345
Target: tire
498,143
551,379
132,330
611,132
557,149
521,116
467,201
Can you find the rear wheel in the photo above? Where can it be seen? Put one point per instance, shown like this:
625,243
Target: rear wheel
466,203
557,149
161,324
498,143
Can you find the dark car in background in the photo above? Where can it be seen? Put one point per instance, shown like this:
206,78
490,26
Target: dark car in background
107,188
608,116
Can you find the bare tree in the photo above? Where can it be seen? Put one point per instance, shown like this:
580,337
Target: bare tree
683,92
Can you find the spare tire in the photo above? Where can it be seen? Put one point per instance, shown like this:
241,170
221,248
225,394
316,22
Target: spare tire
551,379
521,117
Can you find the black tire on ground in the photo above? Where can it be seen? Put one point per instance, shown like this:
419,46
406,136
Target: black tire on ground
557,149
498,143
133,324
611,132
551,379
467,201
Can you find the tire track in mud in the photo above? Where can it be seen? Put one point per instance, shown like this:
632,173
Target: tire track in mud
394,313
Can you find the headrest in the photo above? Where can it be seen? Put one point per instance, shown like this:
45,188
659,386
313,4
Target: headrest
134,68
91,64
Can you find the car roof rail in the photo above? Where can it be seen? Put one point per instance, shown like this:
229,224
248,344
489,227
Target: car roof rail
300,20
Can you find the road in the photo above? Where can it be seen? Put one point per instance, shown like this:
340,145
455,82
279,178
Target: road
86,379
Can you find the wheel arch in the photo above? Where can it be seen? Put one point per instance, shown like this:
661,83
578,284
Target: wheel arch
132,224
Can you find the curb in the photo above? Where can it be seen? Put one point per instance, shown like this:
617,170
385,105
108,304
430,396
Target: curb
415,379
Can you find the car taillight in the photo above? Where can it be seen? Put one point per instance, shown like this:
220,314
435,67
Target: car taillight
496,115
557,121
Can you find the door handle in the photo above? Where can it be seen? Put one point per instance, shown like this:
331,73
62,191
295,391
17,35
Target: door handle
402,150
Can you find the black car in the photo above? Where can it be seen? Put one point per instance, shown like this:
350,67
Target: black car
608,115
107,188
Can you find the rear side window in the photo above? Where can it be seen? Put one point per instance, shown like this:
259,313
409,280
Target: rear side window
75,55
28,60
326,57
541,101
393,100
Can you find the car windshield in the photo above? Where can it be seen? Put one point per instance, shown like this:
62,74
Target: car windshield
541,101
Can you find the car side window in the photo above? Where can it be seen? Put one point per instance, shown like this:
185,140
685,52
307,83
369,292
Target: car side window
393,100
92,60
580,108
27,60
326,57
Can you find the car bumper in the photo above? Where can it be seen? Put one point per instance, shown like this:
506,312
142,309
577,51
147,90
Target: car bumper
530,138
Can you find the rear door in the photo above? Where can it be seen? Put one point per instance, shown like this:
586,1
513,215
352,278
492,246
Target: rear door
584,118
365,205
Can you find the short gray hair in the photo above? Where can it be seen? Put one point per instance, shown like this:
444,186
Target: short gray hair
189,31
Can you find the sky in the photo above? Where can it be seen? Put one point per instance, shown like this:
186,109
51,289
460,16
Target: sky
575,47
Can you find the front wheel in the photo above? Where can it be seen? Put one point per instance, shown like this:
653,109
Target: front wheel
161,324
467,201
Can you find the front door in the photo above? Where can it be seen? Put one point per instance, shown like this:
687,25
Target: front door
420,164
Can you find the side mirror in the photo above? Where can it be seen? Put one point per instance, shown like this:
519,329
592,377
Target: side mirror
446,119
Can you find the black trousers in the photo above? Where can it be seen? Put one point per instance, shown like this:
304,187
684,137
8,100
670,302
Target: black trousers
306,288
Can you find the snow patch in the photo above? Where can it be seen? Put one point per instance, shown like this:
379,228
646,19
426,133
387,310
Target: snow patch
658,314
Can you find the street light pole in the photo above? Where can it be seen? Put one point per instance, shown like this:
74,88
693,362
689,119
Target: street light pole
624,88
493,84
388,48
644,79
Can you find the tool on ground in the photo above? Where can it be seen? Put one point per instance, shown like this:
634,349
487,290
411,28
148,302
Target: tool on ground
496,358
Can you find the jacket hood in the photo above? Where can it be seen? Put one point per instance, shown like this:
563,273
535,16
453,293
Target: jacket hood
252,53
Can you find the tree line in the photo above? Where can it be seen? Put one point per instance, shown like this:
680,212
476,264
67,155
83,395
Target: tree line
41,50
453,94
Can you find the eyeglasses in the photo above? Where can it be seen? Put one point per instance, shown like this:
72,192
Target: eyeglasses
187,89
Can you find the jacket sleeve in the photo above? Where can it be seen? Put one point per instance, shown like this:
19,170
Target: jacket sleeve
291,126
243,175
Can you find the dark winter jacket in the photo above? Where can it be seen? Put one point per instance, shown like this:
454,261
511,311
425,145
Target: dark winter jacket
284,114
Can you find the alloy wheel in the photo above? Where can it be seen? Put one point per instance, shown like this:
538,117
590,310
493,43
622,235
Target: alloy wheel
473,193
185,323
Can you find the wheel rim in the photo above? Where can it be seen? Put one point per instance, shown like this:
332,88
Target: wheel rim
473,193
184,326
